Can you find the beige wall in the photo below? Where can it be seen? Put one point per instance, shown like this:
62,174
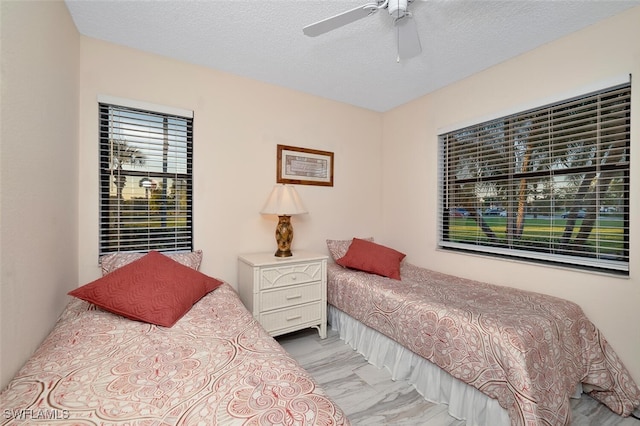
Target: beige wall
38,174
410,148
237,125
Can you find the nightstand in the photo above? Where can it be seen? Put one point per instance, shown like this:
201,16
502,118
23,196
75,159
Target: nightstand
285,294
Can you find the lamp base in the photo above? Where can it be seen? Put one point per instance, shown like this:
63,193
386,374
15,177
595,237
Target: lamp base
283,253
284,236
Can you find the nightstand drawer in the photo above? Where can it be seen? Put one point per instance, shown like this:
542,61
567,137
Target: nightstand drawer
285,318
292,295
285,275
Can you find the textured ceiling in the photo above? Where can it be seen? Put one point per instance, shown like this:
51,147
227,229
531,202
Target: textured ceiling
355,64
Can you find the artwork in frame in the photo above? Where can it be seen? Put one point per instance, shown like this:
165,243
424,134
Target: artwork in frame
304,166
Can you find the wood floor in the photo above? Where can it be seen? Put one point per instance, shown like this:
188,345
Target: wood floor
368,396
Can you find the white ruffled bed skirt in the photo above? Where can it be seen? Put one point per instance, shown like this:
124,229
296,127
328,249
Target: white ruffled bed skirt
436,385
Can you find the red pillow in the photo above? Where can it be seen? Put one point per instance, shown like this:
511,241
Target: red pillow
371,257
153,289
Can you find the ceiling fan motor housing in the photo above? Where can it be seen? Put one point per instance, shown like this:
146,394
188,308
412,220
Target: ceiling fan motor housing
397,8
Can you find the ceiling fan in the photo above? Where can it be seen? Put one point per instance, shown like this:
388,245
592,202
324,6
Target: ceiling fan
408,40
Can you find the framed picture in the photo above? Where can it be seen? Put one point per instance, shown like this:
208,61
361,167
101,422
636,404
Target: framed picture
304,166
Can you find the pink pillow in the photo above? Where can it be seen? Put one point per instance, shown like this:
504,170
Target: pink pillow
371,257
153,289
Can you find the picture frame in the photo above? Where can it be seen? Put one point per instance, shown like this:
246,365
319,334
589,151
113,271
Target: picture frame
304,166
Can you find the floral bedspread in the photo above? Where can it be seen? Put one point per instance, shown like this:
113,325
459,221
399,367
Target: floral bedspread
527,350
215,366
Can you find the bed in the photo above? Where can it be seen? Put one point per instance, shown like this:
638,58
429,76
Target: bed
214,365
496,355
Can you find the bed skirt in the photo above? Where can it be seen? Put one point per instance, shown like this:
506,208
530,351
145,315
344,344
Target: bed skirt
433,383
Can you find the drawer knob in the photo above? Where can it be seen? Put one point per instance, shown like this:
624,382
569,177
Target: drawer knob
294,317
293,296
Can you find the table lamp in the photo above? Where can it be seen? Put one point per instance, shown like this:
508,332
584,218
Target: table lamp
284,202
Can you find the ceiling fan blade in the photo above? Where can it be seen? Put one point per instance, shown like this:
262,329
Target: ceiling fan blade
340,20
408,37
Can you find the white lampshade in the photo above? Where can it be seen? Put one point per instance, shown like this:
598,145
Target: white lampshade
283,201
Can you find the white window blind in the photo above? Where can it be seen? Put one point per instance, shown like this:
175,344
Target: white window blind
549,184
146,180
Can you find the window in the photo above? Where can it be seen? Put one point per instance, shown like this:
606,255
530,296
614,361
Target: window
549,184
145,180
